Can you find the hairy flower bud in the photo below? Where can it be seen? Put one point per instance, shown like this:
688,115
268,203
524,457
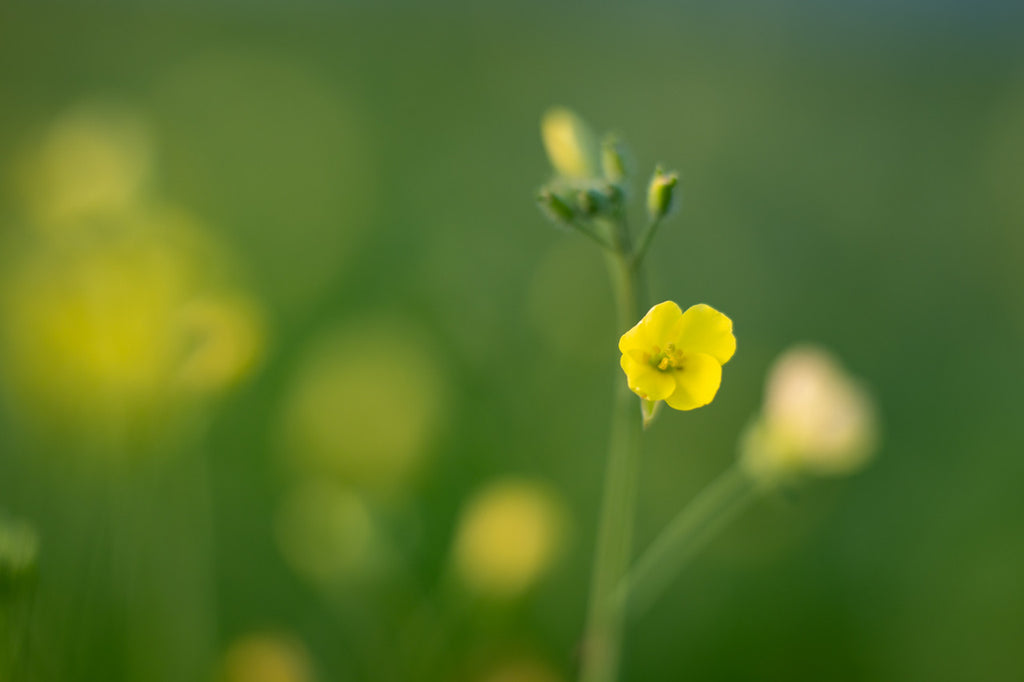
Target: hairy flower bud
613,161
554,207
660,193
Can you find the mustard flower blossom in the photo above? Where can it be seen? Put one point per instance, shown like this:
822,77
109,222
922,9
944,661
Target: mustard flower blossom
677,357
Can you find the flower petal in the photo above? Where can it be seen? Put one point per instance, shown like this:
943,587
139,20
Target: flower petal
645,380
655,329
697,383
702,329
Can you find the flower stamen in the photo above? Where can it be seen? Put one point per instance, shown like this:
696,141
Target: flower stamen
664,360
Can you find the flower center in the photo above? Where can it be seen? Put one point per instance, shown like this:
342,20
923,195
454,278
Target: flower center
666,358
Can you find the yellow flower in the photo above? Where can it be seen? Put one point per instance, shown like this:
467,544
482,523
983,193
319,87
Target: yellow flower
677,357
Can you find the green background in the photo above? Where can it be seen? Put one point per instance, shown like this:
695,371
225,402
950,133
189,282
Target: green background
851,173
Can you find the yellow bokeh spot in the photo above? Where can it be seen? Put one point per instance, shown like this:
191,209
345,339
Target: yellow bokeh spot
365,405
266,658
224,341
95,159
508,535
121,323
116,310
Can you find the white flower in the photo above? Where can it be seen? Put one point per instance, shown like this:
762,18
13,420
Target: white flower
816,420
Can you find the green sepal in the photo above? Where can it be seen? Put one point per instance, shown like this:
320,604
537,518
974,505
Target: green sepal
649,409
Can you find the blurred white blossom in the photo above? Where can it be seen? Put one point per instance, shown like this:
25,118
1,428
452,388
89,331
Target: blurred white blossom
816,420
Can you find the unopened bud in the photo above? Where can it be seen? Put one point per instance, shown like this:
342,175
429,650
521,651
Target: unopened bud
660,193
569,143
554,207
613,193
613,161
592,201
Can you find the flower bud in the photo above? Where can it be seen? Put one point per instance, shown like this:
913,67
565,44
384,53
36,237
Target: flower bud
816,420
554,207
569,143
613,161
589,202
660,193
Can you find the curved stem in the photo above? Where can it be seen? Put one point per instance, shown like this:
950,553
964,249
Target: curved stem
692,528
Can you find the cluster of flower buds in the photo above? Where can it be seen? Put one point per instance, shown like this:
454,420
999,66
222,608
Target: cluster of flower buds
592,178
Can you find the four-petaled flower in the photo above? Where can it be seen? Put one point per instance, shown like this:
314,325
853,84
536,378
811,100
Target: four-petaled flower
677,357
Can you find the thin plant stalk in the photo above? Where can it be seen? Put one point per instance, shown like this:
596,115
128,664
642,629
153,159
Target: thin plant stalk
645,241
689,532
602,642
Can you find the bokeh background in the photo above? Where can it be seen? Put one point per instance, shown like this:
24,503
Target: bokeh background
299,385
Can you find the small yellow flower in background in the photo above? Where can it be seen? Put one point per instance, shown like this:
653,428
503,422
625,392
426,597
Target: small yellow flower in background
97,158
266,657
119,313
816,420
677,357
124,326
338,419
508,536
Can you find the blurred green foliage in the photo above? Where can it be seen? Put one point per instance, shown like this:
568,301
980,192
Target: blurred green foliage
849,174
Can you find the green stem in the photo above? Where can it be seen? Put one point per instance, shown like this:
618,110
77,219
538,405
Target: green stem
589,233
602,640
692,528
645,242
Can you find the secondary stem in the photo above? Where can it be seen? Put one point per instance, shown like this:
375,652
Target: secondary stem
687,534
645,242
602,641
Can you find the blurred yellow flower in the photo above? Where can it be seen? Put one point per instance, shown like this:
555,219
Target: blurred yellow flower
118,312
121,325
95,159
266,658
508,536
677,357
816,419
337,415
